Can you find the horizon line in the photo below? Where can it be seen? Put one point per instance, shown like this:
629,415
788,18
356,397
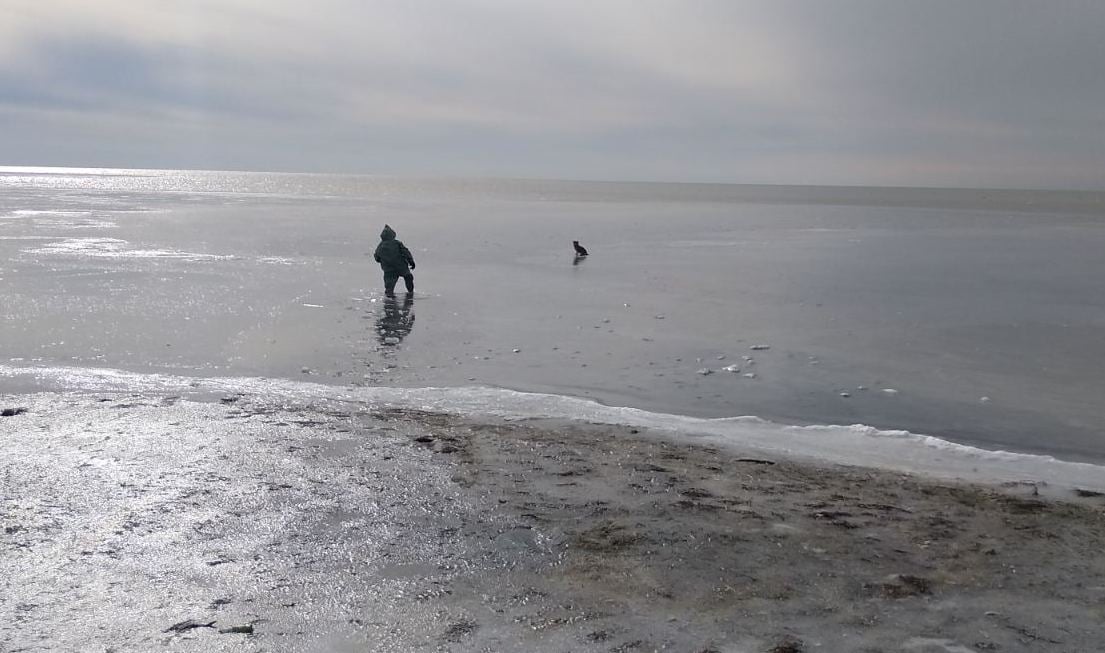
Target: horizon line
110,170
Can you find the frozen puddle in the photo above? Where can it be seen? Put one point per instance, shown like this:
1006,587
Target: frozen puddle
115,248
86,223
36,213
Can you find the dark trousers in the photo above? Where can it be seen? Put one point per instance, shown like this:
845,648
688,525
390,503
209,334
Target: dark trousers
390,278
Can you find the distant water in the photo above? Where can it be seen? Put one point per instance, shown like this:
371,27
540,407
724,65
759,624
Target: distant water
974,316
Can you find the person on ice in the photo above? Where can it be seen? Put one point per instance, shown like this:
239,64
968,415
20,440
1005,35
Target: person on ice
394,258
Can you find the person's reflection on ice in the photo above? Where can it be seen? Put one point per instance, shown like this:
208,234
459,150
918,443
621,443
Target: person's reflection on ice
395,320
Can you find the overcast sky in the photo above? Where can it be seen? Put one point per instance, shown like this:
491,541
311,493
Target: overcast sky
998,93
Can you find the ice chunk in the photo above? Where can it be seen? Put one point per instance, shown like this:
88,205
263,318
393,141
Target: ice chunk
732,368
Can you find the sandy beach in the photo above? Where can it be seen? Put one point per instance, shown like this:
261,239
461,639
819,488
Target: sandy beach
241,523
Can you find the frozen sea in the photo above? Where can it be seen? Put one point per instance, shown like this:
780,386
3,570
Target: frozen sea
976,317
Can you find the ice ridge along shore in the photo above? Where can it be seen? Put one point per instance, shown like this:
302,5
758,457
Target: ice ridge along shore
845,444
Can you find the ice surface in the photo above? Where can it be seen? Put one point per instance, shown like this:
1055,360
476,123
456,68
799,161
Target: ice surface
944,295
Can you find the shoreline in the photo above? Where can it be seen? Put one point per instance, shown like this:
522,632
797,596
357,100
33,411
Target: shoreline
319,526
843,443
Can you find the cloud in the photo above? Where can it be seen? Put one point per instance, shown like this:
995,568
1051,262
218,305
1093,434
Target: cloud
855,91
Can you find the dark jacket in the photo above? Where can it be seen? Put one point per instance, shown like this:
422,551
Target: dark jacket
392,255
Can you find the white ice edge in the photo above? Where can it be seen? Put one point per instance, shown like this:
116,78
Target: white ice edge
855,444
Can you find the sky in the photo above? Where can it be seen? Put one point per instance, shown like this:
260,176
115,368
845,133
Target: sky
978,93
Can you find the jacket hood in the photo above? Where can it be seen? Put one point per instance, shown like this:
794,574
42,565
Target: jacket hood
388,233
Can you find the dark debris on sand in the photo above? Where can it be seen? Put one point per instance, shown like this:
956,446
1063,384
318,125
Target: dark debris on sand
788,645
